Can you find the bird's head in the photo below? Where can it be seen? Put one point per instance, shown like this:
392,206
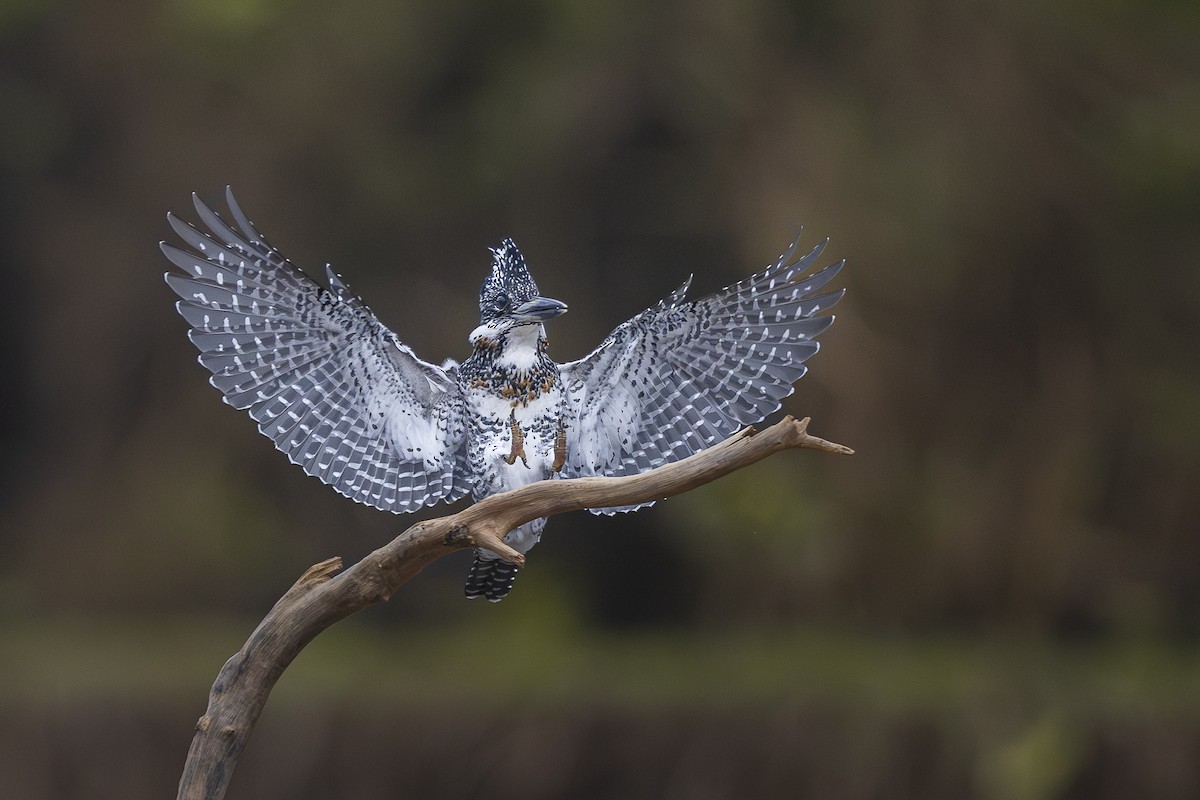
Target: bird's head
509,297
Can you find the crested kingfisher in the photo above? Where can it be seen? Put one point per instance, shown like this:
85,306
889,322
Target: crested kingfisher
344,398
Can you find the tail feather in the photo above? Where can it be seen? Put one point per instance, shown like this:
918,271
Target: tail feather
491,578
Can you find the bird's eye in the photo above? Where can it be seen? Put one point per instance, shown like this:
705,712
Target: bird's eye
502,302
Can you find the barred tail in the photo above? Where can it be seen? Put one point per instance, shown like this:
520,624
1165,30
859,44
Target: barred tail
491,578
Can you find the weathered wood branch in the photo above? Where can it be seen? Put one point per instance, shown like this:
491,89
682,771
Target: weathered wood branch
321,597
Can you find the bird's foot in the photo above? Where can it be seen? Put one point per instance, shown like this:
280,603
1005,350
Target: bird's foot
560,448
518,442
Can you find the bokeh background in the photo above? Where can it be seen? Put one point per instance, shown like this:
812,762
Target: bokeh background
997,597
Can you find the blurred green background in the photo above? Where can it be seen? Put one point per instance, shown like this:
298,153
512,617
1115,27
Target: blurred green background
997,597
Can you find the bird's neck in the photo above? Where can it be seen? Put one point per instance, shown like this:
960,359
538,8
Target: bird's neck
520,347
513,366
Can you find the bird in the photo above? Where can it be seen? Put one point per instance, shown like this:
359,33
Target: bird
344,398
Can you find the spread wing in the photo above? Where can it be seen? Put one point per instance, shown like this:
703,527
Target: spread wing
681,376
323,378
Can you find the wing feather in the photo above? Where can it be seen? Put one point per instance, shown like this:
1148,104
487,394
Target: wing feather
333,388
681,375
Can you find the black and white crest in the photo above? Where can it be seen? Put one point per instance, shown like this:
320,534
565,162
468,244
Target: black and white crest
509,285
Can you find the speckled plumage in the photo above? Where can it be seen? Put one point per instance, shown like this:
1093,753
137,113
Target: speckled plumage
341,396
514,399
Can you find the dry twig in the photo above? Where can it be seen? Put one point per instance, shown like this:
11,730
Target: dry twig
320,597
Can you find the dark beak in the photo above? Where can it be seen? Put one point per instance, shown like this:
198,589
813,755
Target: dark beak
539,309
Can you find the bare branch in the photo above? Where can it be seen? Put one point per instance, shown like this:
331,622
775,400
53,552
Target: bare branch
320,597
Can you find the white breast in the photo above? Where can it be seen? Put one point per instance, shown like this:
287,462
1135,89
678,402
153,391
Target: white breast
520,350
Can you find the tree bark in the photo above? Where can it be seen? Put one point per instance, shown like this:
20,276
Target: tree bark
321,597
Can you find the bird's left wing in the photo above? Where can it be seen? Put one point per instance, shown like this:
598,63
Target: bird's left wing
681,376
335,390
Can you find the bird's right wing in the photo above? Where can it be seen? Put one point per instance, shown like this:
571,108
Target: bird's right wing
335,390
682,375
